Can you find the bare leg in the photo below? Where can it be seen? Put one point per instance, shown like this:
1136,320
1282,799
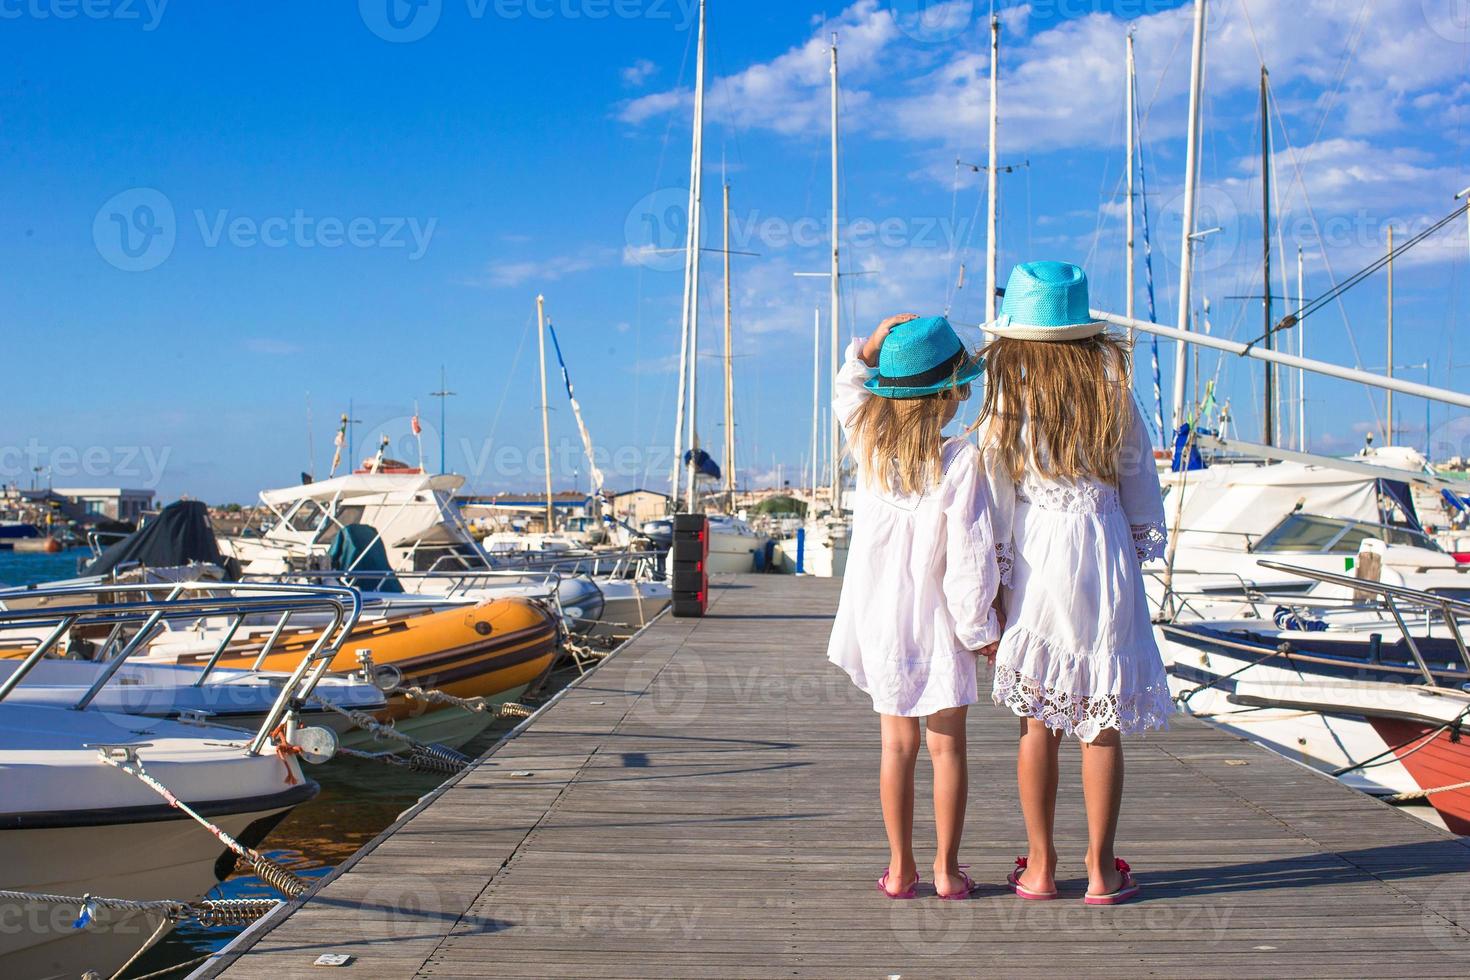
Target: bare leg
896,790
946,739
1102,788
1036,781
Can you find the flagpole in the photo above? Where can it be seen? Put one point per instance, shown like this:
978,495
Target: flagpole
443,394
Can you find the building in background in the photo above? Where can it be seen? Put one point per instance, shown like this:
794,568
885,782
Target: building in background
634,507
94,504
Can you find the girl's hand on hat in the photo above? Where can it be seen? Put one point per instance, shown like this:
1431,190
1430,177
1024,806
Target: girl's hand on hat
875,342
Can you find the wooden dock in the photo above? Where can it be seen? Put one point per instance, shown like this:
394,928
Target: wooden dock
704,805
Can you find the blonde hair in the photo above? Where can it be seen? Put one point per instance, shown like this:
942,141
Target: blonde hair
1074,398
897,442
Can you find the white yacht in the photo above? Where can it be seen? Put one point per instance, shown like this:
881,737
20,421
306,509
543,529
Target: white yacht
76,818
429,549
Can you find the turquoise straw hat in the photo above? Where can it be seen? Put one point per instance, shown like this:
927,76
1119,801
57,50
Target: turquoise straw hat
1046,301
922,357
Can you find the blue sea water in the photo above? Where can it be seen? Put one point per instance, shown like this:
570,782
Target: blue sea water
21,568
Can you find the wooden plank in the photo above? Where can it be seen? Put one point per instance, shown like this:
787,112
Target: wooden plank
703,805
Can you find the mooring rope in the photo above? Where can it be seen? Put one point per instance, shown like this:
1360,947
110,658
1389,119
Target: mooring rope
220,912
208,912
382,732
1420,794
267,870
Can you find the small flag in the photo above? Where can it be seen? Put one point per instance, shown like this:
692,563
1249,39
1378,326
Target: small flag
339,441
418,428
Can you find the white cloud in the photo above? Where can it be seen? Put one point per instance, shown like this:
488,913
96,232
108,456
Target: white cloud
638,72
502,274
789,93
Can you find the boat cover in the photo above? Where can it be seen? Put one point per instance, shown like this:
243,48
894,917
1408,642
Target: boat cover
180,534
359,548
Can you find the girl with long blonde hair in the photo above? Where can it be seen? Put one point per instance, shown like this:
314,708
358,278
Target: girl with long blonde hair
921,576
1078,511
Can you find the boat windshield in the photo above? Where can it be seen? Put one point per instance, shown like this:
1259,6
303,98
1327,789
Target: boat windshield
1313,535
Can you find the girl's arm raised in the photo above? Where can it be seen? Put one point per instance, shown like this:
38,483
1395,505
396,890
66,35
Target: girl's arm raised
972,575
1138,489
861,363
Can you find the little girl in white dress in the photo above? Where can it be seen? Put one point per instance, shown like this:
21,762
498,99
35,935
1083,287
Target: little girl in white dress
921,576
1078,510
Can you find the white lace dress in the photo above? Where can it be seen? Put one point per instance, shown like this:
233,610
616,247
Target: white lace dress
1078,651
922,575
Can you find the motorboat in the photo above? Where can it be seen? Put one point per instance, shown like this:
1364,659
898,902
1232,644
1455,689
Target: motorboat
411,520
492,650
1233,522
1373,691
77,817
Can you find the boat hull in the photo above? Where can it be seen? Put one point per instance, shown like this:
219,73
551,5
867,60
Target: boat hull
144,860
1385,749
475,651
1435,758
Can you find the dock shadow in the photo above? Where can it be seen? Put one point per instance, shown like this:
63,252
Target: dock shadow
1387,863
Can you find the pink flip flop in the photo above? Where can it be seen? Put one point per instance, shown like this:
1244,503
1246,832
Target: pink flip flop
912,892
1127,891
970,888
1014,880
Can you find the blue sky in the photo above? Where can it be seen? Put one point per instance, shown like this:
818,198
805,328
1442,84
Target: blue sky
320,199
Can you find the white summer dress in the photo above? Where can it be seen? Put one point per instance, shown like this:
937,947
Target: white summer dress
1078,651
922,575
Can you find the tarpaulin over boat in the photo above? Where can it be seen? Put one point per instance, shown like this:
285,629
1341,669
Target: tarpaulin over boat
180,534
359,548
1397,496
1230,501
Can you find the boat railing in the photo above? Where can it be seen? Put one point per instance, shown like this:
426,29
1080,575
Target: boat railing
451,583
638,565
1250,593
147,607
1394,598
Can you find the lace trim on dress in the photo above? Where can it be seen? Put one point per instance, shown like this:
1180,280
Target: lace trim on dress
1080,715
1149,541
1086,497
1005,560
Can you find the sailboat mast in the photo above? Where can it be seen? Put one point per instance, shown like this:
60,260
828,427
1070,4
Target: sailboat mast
1191,176
689,337
835,300
816,400
991,173
1128,205
1388,440
729,375
1301,351
545,419
1269,414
